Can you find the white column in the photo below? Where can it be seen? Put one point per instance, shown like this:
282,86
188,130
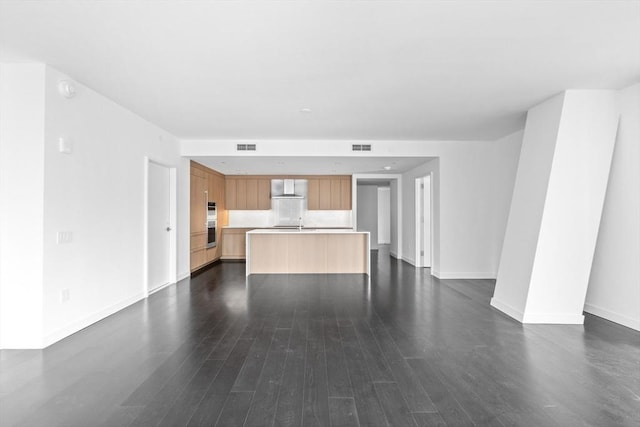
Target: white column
556,207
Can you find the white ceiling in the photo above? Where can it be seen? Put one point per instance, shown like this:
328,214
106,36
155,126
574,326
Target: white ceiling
310,165
406,70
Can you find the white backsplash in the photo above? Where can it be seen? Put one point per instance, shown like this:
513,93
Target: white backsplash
310,218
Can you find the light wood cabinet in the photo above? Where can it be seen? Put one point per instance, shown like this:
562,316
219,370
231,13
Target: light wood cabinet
207,185
345,193
234,243
230,191
325,194
254,192
329,193
313,194
310,252
248,193
241,194
198,205
264,194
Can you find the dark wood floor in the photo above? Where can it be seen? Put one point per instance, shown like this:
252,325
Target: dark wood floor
302,350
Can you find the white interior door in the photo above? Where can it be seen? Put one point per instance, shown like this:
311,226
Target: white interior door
423,221
159,223
426,222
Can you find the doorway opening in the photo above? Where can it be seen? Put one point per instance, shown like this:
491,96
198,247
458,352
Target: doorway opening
160,254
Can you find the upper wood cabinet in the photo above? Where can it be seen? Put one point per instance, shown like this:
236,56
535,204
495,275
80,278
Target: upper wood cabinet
329,193
325,192
248,193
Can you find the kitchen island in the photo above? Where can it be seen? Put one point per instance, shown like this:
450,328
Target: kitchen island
273,251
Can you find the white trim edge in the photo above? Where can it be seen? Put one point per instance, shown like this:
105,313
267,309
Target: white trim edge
612,316
543,318
183,276
554,318
465,275
161,287
80,324
409,260
507,309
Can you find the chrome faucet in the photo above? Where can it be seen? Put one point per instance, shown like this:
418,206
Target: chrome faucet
300,223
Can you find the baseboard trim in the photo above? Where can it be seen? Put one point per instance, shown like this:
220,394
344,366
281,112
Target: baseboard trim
465,275
183,276
538,318
507,309
393,254
80,324
159,288
612,316
408,260
554,318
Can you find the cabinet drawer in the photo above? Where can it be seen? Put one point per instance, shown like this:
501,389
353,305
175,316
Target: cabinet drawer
198,241
198,258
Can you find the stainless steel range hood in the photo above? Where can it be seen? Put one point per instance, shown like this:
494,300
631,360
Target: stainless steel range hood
288,188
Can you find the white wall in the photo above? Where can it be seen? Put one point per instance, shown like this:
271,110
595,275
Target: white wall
97,193
367,212
614,285
472,185
384,215
21,204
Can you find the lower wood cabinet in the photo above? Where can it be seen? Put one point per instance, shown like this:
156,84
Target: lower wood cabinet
234,242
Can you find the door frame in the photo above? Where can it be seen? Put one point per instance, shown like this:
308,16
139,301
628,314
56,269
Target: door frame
419,236
173,253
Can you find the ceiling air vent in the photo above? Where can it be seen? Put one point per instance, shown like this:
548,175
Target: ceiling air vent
361,147
246,147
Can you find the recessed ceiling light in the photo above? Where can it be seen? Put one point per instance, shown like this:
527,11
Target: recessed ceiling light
387,168
305,110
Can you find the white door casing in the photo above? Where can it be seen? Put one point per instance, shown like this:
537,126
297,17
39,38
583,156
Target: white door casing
160,227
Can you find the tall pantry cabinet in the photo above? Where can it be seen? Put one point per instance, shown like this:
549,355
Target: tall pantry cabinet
207,185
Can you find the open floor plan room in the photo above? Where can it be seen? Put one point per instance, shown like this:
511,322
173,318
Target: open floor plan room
400,349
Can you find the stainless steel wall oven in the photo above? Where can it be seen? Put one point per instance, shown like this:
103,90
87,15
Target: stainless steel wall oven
212,223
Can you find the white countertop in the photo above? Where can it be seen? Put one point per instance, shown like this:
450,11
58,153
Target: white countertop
306,231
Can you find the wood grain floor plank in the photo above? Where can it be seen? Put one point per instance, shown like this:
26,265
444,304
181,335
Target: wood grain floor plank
316,391
343,412
235,409
265,398
369,409
394,405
